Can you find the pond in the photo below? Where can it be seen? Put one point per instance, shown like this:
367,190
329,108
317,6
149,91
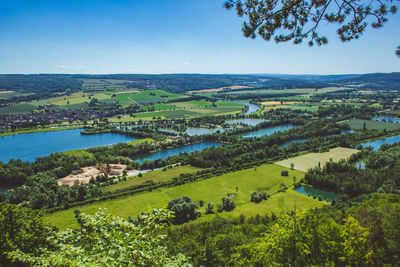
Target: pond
175,151
29,146
293,141
387,119
378,143
252,108
310,191
202,131
247,121
268,131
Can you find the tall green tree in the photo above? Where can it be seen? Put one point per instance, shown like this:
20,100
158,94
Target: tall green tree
298,20
21,229
104,240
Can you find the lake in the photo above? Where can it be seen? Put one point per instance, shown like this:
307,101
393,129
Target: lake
201,131
29,146
268,131
162,154
247,121
310,191
387,119
378,143
293,141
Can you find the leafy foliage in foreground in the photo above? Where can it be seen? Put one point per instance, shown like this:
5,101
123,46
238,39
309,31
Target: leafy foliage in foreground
104,240
21,229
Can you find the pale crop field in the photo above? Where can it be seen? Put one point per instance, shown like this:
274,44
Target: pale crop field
311,160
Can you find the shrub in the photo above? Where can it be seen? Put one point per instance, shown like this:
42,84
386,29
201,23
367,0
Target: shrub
228,204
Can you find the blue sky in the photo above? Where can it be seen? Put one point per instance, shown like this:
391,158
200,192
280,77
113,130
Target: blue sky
175,36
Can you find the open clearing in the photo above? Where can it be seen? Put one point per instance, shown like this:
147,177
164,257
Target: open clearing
307,161
263,178
357,124
83,176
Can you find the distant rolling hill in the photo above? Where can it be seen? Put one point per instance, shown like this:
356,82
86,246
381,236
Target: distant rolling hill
376,81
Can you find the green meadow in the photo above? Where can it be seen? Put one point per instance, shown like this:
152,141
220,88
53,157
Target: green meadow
357,124
241,183
17,109
146,97
155,176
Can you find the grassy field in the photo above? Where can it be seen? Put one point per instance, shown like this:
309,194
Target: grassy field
78,153
76,98
17,109
155,176
303,91
160,107
146,97
186,109
357,124
104,85
141,141
307,161
264,178
125,99
39,130
279,204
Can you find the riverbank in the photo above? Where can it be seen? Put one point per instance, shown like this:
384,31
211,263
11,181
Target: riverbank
39,130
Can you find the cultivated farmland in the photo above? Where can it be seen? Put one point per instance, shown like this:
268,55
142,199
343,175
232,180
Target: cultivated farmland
307,161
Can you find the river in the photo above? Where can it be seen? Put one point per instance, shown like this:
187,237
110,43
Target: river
378,143
252,108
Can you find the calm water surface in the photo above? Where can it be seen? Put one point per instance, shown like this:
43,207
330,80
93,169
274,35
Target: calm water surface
175,151
268,131
310,191
29,146
387,119
252,107
293,141
378,143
